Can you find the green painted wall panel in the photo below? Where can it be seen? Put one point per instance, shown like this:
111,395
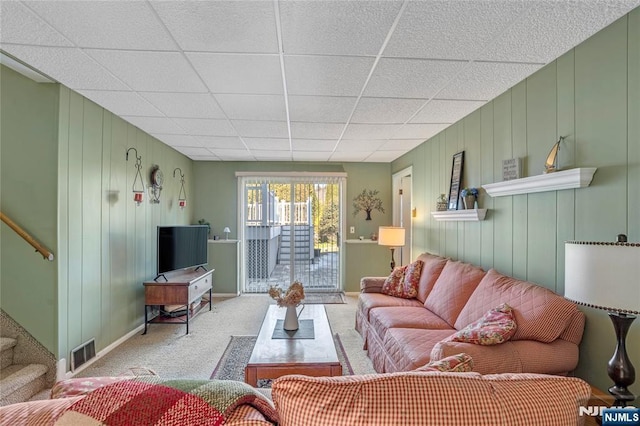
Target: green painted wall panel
488,176
591,96
107,198
601,132
63,224
471,231
28,180
224,257
565,68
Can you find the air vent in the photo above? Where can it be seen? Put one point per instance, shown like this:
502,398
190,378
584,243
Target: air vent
82,354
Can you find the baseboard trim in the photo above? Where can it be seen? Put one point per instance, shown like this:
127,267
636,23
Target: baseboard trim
69,374
352,293
224,295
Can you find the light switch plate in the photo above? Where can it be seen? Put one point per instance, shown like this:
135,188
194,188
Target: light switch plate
352,230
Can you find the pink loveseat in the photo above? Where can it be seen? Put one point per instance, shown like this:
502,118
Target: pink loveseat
403,334
415,398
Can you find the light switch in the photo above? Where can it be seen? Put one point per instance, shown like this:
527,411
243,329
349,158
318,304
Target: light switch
352,230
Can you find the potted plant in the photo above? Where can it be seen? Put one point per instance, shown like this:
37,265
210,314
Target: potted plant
469,196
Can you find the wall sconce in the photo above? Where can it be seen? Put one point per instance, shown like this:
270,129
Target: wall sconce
157,179
137,193
182,195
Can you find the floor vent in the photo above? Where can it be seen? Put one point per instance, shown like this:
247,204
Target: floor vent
82,354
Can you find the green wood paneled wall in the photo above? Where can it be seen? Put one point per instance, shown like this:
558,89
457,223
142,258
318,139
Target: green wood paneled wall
590,95
28,183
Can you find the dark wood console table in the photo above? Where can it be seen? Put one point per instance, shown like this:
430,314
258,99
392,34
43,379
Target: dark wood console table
181,288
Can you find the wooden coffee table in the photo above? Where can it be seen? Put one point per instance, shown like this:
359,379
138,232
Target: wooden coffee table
272,358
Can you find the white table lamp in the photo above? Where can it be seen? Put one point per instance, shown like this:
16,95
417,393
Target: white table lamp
604,275
392,237
226,231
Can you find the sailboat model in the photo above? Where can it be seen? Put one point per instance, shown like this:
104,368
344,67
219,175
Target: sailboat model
551,165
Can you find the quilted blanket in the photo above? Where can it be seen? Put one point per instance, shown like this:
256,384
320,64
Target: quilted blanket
151,400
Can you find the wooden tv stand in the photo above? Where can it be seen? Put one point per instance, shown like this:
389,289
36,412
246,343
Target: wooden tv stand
181,288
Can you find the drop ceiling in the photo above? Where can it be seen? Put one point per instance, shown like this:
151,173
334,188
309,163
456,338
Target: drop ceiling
295,80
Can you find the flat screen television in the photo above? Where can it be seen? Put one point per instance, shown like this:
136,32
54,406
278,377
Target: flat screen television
181,247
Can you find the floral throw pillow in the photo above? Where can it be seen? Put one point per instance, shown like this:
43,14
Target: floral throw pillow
403,281
459,363
495,327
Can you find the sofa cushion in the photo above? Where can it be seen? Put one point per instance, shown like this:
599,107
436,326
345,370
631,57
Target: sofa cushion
408,399
403,281
452,289
368,301
410,348
540,399
495,327
384,318
540,313
431,270
459,363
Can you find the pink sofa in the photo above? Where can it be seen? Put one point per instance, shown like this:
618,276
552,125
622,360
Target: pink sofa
404,334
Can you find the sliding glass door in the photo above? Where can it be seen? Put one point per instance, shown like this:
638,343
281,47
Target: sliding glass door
291,231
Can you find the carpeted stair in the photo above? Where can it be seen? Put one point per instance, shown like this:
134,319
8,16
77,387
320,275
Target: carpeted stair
18,382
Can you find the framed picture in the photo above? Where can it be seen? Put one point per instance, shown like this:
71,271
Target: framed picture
456,179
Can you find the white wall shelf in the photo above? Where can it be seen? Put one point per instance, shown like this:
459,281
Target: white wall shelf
564,179
468,215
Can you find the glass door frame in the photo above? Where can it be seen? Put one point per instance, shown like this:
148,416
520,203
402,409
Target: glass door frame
291,178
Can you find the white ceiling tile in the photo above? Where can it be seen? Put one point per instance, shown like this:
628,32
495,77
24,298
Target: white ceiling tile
349,156
346,145
272,155
153,125
303,130
550,28
466,26
205,127
419,131
178,140
150,71
411,78
20,25
274,144
261,129
336,27
188,150
221,26
486,80
69,66
253,107
319,145
209,157
311,156
400,144
371,131
446,111
334,109
386,110
224,73
384,156
233,154
185,105
326,75
106,24
224,142
122,103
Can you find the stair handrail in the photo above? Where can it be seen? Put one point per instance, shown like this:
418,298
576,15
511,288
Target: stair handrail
45,252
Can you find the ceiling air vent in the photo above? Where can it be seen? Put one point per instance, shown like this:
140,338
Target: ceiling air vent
82,354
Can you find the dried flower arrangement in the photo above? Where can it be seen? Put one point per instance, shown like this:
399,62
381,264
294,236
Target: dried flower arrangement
292,297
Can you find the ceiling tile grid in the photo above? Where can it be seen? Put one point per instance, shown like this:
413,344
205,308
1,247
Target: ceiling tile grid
296,81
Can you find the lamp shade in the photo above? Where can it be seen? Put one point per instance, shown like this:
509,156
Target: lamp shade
226,229
392,236
603,275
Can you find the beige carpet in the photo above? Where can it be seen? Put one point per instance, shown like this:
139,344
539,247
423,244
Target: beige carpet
168,351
